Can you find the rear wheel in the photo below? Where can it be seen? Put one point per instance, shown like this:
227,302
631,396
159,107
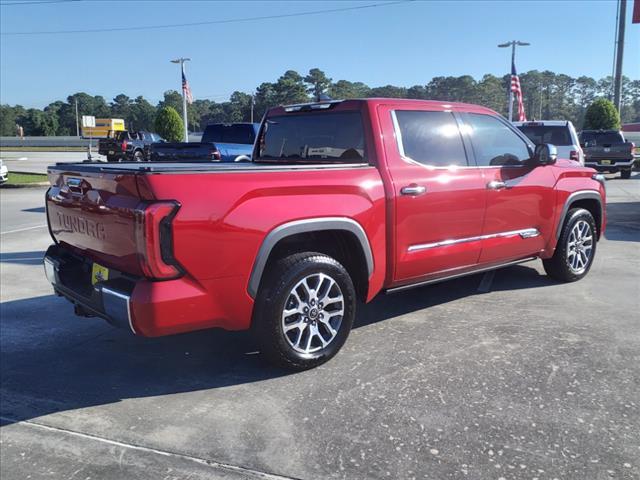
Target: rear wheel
625,173
138,156
576,247
304,310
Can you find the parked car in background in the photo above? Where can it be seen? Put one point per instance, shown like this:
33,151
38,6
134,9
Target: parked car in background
608,151
4,173
560,133
220,143
342,200
127,146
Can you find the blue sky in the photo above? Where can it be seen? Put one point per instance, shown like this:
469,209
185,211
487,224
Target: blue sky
402,44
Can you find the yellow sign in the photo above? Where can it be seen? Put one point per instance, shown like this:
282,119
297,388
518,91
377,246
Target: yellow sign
99,274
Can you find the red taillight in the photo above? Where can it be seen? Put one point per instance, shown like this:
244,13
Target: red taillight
215,155
574,155
124,146
154,240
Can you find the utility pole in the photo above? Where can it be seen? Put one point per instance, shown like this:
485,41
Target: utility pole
617,81
181,61
77,124
253,102
512,44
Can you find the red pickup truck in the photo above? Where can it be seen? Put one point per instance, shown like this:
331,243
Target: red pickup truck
342,200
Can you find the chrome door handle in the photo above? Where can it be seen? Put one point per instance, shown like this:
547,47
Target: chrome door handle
496,185
413,190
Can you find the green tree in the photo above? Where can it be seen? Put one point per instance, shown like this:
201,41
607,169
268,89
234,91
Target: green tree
290,89
345,89
7,121
142,114
169,124
602,114
318,81
39,123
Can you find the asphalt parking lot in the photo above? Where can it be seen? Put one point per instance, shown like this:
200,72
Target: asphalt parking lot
515,378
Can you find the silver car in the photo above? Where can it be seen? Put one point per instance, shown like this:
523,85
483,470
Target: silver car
557,132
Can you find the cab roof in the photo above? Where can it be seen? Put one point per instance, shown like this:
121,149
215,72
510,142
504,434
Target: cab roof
358,103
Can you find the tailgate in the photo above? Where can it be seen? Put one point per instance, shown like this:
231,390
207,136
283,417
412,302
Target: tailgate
617,152
94,213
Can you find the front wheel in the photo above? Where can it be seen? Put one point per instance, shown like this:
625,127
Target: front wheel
576,247
304,310
626,174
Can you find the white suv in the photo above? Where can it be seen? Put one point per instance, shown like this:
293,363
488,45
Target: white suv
4,172
557,132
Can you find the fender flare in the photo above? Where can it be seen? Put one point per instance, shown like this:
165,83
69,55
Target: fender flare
579,195
303,226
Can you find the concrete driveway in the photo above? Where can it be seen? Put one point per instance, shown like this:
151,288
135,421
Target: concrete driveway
515,378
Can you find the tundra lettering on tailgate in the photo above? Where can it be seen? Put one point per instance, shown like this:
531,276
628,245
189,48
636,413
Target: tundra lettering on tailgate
85,226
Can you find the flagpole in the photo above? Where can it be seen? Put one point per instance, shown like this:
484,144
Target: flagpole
513,62
512,44
181,61
184,106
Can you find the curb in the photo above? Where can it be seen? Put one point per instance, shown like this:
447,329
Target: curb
25,185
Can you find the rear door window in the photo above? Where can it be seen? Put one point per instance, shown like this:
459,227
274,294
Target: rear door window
494,143
335,137
430,138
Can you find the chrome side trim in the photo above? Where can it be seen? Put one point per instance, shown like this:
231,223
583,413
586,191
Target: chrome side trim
579,195
304,226
113,308
458,275
524,233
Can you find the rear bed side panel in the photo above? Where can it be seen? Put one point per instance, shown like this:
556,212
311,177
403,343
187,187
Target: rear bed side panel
224,219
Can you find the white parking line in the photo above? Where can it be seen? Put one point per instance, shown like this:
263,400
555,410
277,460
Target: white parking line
22,229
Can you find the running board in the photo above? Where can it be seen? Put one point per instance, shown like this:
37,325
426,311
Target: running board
457,275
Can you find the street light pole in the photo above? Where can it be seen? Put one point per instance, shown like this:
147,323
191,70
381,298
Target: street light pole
512,44
181,61
617,79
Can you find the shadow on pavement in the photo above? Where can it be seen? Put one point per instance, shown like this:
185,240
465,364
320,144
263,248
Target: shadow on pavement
23,258
53,361
623,222
34,210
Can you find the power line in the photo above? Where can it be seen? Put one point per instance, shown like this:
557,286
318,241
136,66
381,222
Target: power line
211,22
35,2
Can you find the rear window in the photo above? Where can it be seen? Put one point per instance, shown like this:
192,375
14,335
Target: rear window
604,138
556,135
313,137
244,134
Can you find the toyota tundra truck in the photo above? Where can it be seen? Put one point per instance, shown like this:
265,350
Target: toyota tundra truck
342,200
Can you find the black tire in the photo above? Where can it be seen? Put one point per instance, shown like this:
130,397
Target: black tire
559,266
626,174
138,156
112,158
276,291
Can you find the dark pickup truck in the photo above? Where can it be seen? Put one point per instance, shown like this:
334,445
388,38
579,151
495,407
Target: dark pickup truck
607,151
220,143
127,146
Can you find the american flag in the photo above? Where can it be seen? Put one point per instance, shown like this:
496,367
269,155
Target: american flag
515,88
186,89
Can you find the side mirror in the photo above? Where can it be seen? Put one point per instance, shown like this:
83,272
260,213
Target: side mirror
545,154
